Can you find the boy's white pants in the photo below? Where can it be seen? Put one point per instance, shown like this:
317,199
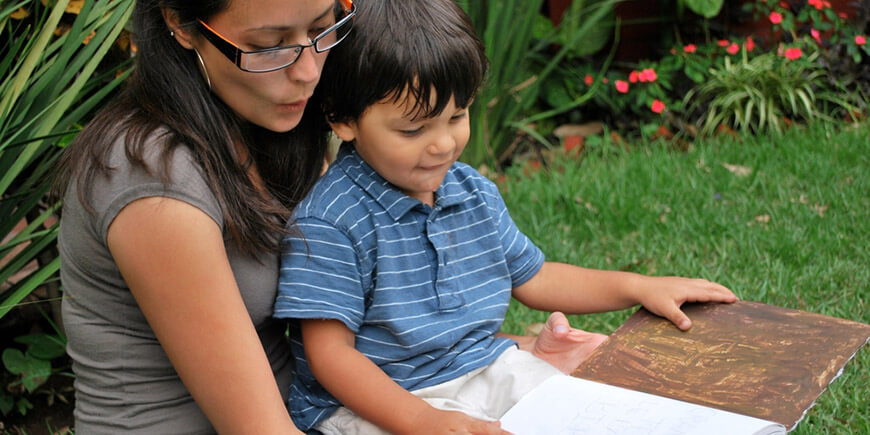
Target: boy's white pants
486,393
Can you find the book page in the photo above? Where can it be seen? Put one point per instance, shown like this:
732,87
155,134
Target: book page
569,405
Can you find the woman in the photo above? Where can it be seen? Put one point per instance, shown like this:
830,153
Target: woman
175,197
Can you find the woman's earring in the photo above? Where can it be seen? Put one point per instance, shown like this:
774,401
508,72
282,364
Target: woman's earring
204,70
172,33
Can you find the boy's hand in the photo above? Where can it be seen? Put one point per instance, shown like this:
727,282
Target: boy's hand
663,296
563,346
437,421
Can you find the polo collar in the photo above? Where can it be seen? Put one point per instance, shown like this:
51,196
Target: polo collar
388,196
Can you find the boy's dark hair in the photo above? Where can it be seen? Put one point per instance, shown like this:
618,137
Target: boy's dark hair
418,46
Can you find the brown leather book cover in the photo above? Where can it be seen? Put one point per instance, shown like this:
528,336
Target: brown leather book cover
750,358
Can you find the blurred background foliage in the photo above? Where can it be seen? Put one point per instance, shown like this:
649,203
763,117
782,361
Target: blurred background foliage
53,78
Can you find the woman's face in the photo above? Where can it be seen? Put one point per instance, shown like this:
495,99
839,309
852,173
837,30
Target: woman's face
274,100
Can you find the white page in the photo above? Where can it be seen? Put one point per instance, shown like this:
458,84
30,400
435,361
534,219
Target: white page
569,405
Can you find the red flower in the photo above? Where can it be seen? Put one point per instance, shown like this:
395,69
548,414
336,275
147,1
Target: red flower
689,48
842,15
775,17
733,48
657,106
622,86
815,35
633,77
860,39
648,75
588,80
793,53
723,42
816,4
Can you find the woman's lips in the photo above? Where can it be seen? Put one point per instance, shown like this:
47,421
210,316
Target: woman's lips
294,106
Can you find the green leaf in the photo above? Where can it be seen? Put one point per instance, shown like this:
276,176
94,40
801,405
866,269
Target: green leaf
6,402
23,406
23,288
42,346
33,371
705,8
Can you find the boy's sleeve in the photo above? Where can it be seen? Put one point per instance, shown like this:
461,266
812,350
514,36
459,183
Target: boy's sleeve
523,257
320,277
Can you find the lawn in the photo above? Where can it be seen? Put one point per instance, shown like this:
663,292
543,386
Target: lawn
783,220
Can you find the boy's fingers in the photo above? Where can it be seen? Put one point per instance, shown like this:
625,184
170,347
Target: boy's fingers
679,318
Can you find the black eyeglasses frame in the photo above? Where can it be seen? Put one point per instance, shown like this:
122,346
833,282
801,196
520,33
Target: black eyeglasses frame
235,54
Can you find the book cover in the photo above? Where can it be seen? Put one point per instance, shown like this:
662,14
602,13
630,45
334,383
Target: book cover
749,358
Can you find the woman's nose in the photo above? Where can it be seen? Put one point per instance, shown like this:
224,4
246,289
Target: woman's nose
306,68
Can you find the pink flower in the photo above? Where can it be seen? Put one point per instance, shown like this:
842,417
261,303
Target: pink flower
648,75
860,39
793,53
750,43
815,35
622,86
842,15
689,48
588,80
657,106
723,42
775,17
633,77
733,48
816,4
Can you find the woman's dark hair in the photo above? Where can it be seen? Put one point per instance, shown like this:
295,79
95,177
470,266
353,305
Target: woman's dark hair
418,46
167,92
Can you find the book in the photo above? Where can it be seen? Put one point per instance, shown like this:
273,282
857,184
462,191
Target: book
745,367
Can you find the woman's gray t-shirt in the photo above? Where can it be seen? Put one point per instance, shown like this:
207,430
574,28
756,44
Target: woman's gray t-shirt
124,381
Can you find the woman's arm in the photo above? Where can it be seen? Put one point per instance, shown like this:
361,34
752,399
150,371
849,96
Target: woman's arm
575,290
172,256
365,389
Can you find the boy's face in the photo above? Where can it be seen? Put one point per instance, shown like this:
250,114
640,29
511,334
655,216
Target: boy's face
414,155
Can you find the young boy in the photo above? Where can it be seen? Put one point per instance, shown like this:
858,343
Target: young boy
407,259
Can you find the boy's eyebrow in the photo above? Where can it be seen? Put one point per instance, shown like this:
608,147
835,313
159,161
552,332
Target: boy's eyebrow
285,28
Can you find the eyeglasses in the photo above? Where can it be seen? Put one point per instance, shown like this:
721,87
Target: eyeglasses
271,59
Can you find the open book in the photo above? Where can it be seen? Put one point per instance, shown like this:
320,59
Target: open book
745,367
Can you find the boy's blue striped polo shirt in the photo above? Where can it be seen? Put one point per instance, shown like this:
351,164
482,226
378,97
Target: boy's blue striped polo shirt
424,289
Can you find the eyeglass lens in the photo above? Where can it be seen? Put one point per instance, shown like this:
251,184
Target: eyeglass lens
269,60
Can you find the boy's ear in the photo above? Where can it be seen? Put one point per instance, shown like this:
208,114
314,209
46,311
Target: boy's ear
344,130
181,35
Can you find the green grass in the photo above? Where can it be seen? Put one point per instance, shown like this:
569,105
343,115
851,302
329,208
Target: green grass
794,231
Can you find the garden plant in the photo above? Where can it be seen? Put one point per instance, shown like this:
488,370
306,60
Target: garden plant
51,82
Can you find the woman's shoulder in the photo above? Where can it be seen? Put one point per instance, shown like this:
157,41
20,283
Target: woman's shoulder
145,167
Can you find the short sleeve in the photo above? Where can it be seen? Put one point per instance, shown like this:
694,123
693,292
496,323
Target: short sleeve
523,257
320,276
129,183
